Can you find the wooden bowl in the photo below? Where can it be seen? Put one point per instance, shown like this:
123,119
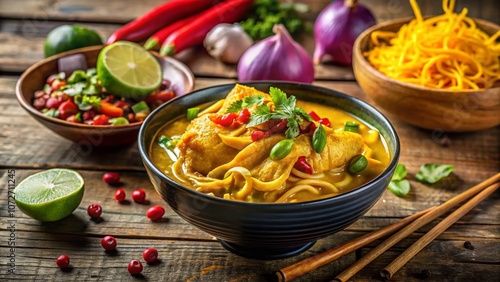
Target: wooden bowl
33,79
435,109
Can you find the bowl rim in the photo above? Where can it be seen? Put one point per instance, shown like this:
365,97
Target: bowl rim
365,64
28,107
144,149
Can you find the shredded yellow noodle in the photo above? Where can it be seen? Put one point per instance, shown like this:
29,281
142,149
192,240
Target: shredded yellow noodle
445,52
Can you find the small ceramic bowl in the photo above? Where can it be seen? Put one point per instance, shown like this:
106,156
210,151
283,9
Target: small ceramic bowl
435,109
33,79
266,230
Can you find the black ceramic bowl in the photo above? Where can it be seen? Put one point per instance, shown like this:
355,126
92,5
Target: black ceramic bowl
259,230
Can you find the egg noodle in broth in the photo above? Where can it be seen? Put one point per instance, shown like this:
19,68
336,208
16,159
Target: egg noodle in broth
231,151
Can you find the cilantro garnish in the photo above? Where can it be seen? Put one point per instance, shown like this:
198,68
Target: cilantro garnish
432,173
284,108
398,185
254,100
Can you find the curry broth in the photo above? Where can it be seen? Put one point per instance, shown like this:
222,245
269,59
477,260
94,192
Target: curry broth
380,155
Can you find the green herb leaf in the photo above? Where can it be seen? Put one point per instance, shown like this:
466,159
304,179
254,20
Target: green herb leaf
300,112
254,100
432,173
74,89
235,107
399,173
400,187
261,115
293,128
319,139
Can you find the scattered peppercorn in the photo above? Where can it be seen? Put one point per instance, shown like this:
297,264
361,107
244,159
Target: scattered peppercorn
150,255
155,213
134,267
108,243
139,196
62,261
94,210
111,177
468,245
120,195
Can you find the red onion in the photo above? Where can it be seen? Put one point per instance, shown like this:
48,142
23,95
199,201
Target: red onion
336,29
277,57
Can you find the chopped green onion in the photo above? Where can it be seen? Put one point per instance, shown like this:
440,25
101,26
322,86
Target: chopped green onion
168,143
192,113
141,107
357,164
351,126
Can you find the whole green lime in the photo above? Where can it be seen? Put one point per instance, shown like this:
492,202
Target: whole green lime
68,37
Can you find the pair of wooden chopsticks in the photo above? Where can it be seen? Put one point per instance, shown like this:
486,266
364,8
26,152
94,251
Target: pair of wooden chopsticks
405,226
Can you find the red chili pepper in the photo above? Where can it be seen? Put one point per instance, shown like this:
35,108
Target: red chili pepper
280,127
325,122
257,135
194,33
314,115
158,37
158,17
244,116
309,129
110,110
302,165
227,119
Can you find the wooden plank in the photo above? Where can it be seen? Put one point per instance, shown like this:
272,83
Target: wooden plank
35,255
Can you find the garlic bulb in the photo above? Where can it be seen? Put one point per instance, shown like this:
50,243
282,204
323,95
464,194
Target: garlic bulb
227,42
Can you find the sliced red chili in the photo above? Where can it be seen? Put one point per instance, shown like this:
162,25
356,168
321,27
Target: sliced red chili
314,115
227,119
302,165
280,127
257,135
244,116
309,128
325,122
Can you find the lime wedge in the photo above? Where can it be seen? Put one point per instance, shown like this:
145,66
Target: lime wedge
50,195
128,70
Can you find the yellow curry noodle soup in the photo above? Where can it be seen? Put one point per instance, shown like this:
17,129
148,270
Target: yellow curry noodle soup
268,147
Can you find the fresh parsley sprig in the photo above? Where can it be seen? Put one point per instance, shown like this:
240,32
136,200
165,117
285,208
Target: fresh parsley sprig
253,100
284,108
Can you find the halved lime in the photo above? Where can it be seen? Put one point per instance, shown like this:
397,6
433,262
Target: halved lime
50,195
128,70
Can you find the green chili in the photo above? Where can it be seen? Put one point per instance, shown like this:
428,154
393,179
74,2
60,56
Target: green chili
357,164
192,113
281,149
351,126
319,139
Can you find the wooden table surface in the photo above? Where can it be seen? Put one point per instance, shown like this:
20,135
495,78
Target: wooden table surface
29,248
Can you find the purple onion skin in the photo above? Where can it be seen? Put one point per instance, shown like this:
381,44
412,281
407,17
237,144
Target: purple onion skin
336,29
277,58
